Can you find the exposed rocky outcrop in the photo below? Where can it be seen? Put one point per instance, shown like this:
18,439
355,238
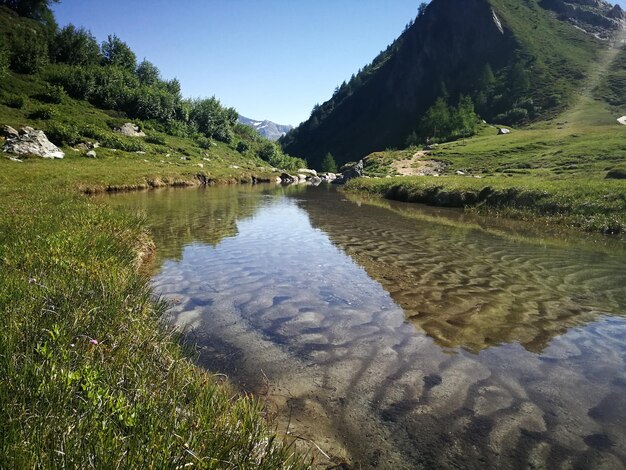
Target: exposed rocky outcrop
594,16
32,142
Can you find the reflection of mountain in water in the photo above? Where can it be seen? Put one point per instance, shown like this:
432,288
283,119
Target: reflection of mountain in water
469,288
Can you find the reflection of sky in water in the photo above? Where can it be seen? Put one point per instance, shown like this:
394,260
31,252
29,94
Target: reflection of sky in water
536,379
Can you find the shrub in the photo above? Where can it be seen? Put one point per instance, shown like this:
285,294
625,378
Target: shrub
203,142
43,114
53,94
4,59
28,53
242,147
267,151
14,101
78,82
155,139
62,134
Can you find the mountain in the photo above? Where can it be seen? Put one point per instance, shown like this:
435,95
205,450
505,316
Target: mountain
519,61
268,129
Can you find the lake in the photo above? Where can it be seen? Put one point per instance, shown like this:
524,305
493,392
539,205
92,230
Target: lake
400,336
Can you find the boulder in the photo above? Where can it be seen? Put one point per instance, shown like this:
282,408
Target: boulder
503,131
350,171
306,171
26,130
315,181
91,154
8,132
33,142
286,178
131,130
622,120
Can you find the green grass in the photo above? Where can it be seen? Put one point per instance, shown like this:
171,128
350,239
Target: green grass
89,376
70,275
581,203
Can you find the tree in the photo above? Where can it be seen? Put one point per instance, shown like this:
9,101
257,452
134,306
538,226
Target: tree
75,47
328,163
436,122
116,52
466,117
36,9
422,9
148,73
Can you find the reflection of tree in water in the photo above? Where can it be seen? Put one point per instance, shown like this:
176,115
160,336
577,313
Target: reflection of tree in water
286,314
180,217
466,287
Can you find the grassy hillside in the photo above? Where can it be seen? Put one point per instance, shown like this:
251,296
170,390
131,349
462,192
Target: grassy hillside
525,72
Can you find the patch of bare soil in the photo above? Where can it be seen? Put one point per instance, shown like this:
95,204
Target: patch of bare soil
418,165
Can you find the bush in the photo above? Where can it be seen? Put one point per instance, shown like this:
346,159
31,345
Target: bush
267,151
78,82
63,134
28,53
512,116
4,59
14,101
42,114
203,142
155,139
242,147
128,144
53,94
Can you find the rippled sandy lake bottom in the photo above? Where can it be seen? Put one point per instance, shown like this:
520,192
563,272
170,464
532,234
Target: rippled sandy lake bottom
399,336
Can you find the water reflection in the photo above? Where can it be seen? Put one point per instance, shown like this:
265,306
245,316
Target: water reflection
513,355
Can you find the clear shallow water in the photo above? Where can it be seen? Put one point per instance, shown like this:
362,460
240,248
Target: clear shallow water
398,336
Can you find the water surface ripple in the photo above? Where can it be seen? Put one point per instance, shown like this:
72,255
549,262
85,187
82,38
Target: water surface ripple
397,336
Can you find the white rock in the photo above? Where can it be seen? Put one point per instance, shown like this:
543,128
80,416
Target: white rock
622,120
131,130
91,154
503,131
33,142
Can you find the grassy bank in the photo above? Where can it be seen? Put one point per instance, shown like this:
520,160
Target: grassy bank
581,203
89,378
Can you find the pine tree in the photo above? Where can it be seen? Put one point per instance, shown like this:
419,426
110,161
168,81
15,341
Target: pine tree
328,164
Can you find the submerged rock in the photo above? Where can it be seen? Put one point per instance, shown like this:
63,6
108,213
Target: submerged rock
32,142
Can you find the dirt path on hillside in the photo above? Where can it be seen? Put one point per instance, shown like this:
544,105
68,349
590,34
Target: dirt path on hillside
580,111
417,165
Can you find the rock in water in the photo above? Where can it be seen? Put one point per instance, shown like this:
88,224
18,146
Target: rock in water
32,142
131,130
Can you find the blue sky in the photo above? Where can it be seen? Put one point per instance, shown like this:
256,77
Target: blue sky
270,59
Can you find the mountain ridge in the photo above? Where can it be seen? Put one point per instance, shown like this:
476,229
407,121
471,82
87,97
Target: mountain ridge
519,62
268,129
